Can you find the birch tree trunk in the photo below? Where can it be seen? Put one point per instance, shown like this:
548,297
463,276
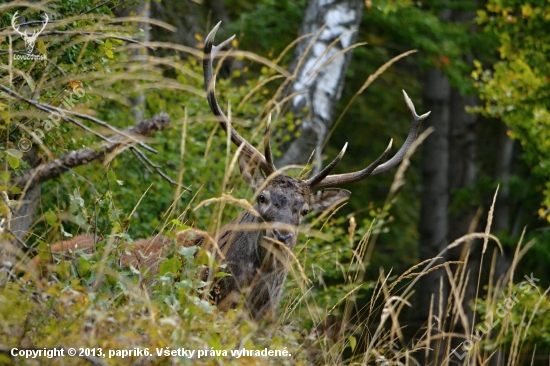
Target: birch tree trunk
321,83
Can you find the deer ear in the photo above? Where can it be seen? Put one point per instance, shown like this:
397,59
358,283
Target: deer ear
251,171
326,198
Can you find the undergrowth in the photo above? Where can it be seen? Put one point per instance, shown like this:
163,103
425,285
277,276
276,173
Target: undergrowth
331,313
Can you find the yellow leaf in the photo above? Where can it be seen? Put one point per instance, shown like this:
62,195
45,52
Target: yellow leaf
526,10
99,67
42,47
234,43
75,84
198,37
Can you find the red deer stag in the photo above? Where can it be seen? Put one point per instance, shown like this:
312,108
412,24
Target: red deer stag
255,246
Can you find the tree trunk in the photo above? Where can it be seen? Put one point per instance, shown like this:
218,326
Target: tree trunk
322,83
435,192
501,216
462,174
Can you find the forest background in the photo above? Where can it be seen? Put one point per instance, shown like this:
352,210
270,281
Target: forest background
480,67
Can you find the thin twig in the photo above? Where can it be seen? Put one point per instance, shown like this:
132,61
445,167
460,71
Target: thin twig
62,112
72,159
96,35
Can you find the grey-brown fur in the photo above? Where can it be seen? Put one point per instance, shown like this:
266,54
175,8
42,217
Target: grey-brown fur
258,265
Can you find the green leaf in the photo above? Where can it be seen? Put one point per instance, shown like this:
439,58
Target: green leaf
5,177
80,220
352,343
188,252
65,234
12,161
170,266
84,265
15,190
179,225
51,217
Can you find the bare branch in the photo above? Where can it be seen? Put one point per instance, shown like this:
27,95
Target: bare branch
62,112
73,159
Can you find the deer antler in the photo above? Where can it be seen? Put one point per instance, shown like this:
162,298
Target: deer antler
16,28
210,51
46,19
322,179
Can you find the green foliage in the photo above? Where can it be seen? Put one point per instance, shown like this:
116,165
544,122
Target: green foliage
516,88
521,312
93,302
443,41
259,27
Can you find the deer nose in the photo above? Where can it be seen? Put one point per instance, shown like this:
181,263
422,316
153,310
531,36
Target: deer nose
282,237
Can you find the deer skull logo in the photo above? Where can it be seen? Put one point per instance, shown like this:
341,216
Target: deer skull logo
29,40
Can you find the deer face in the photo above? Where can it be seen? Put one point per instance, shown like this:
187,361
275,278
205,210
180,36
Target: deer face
285,201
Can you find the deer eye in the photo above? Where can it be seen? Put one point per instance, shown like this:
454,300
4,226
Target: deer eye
305,212
261,198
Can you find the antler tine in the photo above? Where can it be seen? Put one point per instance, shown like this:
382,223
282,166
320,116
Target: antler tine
377,167
313,181
13,19
337,179
210,51
416,120
46,19
267,145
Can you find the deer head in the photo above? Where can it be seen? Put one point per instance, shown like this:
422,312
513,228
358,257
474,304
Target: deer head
29,40
281,198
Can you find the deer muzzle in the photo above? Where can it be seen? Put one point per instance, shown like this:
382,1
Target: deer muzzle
283,237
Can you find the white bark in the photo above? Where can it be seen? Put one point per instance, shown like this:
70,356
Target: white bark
322,83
